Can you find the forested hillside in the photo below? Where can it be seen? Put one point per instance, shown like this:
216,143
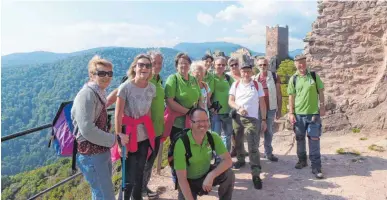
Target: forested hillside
31,95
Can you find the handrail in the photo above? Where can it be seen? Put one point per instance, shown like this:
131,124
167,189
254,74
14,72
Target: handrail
25,132
29,131
56,185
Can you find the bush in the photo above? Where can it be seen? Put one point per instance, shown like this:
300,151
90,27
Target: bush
285,71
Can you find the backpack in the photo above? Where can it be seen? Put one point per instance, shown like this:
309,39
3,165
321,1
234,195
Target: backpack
62,134
313,74
188,154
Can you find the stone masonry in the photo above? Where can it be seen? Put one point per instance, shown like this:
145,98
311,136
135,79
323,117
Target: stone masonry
348,49
277,42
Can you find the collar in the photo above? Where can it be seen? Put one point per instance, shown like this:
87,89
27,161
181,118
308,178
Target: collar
192,140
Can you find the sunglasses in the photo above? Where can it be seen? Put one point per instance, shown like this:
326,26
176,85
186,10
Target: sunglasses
103,73
234,65
146,65
262,65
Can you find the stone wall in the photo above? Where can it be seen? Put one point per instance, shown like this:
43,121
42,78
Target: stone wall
277,42
348,49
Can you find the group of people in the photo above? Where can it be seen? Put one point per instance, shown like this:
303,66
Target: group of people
217,111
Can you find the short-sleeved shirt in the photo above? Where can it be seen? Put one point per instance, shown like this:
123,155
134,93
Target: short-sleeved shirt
247,96
137,103
205,90
209,79
157,107
185,92
201,155
306,96
221,92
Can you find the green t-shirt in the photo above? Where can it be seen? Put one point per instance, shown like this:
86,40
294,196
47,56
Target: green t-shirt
221,92
157,107
186,93
209,79
306,96
201,155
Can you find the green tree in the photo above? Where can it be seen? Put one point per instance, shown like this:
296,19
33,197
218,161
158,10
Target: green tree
285,71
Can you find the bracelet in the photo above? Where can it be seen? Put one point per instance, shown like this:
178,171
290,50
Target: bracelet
264,120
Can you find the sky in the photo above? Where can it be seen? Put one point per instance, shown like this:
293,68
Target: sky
68,26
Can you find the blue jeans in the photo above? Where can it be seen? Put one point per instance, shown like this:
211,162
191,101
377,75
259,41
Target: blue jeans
270,116
222,124
303,122
97,170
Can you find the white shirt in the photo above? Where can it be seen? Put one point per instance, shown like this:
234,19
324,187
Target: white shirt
247,96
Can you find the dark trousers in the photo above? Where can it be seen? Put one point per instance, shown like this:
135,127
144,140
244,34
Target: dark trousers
135,163
150,162
225,181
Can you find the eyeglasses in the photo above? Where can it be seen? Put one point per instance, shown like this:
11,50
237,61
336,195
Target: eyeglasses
146,65
262,65
199,121
234,65
103,73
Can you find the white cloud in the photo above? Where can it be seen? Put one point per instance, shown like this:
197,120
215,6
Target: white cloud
256,9
205,19
260,14
85,35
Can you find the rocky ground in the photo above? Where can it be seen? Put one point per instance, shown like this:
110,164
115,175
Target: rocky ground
347,176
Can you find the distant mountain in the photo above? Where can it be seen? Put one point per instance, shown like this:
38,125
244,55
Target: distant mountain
41,57
197,50
296,52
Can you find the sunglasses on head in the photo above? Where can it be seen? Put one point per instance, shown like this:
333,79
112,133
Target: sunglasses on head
146,65
103,73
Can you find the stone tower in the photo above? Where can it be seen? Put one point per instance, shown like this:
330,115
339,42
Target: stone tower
277,42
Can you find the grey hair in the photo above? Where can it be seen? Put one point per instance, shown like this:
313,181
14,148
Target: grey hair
154,53
220,58
196,64
261,58
231,60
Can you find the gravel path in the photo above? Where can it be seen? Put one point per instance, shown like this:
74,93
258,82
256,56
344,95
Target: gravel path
347,176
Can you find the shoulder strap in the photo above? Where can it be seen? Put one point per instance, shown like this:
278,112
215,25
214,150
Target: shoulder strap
211,140
228,78
274,77
256,85
294,81
315,80
188,153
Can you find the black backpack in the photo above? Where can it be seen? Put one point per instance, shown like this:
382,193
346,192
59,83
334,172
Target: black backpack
188,154
313,74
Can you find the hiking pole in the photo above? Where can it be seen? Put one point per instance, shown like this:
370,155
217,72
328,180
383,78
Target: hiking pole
123,155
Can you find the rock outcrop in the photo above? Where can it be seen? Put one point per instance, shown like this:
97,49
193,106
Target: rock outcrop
348,49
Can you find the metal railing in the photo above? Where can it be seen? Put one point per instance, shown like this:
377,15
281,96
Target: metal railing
33,130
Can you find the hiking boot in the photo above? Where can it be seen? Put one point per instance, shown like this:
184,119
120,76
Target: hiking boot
301,164
257,182
318,173
272,158
238,165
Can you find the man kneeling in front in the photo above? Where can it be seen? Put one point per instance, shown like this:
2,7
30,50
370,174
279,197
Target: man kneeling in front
196,176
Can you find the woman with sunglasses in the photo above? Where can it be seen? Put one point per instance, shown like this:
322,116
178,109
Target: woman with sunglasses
89,117
133,104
